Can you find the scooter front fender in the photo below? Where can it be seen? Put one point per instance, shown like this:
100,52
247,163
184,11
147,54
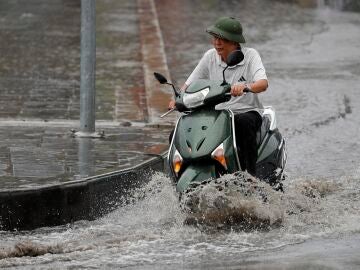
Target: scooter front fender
195,173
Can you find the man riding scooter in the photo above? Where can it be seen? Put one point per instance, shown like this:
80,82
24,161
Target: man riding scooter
249,74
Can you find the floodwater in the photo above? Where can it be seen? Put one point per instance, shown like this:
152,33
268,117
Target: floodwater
310,50
304,232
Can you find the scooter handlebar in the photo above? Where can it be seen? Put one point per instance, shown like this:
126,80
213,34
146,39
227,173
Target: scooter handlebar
246,90
168,112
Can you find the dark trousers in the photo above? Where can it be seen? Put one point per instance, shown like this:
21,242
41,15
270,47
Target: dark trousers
246,126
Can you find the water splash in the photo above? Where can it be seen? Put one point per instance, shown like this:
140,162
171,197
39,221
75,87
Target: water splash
28,248
237,201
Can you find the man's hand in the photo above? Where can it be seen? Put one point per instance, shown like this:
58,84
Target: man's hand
171,105
172,102
237,89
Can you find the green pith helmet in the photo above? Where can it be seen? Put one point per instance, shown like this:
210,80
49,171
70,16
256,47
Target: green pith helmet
228,28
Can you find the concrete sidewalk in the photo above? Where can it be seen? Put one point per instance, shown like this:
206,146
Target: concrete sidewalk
39,90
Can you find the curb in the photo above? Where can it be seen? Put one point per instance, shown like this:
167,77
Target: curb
88,199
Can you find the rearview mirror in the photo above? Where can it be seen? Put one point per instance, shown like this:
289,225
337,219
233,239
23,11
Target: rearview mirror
234,58
163,80
160,78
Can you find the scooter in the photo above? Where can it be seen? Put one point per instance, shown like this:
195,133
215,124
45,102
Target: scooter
203,144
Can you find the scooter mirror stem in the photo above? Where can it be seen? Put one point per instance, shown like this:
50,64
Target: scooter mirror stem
176,92
224,81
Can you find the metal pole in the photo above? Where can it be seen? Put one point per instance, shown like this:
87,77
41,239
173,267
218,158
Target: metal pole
87,65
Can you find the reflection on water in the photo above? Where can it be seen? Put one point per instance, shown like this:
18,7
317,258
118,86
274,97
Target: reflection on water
86,157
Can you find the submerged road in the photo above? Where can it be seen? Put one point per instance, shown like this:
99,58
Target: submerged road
312,59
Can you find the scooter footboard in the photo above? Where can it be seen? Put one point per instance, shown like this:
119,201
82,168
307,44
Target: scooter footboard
195,173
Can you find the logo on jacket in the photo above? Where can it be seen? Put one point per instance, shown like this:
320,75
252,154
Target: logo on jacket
242,79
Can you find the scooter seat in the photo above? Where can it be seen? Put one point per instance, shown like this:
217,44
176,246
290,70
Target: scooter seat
261,133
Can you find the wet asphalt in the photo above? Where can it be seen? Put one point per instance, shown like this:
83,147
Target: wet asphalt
40,86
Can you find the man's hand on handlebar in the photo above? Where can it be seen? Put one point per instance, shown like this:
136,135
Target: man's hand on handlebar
239,89
171,105
172,102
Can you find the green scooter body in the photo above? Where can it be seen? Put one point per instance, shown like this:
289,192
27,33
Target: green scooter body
196,136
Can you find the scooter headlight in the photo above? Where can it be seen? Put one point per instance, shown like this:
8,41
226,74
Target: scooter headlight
196,99
177,162
219,155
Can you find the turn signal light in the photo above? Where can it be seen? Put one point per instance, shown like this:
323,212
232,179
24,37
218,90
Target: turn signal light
177,162
219,155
